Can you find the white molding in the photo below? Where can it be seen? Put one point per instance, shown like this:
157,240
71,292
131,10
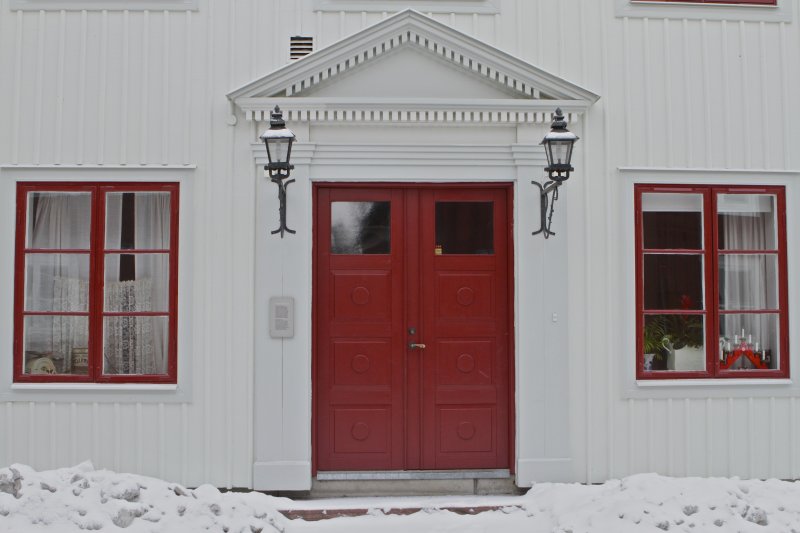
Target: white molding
282,475
664,172
412,110
410,155
629,386
426,6
693,11
96,167
181,392
555,470
411,28
98,5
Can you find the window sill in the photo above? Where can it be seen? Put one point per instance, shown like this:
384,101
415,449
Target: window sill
693,11
657,383
83,387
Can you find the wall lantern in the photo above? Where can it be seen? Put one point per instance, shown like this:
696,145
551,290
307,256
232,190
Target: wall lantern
278,139
558,148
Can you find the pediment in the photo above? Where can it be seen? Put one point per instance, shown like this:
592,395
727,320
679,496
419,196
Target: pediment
410,67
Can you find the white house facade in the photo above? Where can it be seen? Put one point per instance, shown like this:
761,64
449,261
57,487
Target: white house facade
405,322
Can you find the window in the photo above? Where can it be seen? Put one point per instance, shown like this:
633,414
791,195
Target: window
711,291
96,283
745,2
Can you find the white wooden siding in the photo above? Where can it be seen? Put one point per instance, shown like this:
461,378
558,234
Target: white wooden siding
147,88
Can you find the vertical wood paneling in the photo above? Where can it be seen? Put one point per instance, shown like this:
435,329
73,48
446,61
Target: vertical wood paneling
119,87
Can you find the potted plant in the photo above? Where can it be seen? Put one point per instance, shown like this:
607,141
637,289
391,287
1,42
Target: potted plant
674,342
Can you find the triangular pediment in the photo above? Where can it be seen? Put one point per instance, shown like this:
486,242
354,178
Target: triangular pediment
409,73
410,65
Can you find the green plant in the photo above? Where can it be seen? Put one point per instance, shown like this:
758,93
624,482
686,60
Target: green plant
677,330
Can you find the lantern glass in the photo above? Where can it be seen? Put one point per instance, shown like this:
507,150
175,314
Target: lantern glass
560,153
278,149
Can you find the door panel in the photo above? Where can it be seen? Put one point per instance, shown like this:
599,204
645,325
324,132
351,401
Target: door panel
465,319
360,338
397,265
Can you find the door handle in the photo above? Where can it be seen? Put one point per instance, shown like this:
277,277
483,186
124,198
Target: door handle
416,346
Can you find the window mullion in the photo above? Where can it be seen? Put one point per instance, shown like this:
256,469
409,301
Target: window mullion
712,277
96,284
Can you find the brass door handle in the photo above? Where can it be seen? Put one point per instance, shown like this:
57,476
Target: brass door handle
415,346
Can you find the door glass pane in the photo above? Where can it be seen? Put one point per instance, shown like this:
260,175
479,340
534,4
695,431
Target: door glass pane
748,282
465,228
746,222
56,345
749,341
135,344
360,227
674,342
672,221
137,282
57,282
137,220
673,281
59,220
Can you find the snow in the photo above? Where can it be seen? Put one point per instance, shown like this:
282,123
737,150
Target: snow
82,498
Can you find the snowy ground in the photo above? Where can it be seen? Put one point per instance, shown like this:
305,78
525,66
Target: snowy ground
82,498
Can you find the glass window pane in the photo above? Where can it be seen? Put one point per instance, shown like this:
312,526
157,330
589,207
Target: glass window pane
136,282
746,222
758,333
59,220
57,282
672,221
135,344
360,227
674,342
137,220
748,282
673,281
56,345
465,227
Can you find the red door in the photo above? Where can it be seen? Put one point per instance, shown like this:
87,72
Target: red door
412,314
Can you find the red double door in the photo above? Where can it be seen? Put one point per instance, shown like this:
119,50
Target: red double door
412,327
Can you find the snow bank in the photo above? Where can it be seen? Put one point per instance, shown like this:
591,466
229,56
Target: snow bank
649,502
84,499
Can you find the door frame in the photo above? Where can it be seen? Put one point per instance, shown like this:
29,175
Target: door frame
508,187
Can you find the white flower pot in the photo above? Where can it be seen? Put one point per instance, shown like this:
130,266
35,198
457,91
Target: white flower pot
686,358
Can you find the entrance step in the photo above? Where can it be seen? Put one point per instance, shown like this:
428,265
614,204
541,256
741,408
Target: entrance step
427,483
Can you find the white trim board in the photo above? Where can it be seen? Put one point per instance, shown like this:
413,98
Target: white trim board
484,7
98,5
693,11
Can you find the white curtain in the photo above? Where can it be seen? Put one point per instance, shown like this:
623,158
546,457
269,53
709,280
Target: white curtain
57,282
749,281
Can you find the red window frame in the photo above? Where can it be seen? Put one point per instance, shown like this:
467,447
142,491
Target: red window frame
97,252
736,2
711,311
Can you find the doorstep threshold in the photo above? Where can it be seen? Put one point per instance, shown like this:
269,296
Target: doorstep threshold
413,475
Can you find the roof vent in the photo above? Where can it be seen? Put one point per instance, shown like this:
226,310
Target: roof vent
300,46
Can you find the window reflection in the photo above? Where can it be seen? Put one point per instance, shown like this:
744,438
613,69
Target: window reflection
360,228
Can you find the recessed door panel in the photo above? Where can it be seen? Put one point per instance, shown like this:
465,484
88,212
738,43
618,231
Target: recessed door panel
412,328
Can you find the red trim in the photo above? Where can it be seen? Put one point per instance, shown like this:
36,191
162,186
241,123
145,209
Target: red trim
711,254
97,254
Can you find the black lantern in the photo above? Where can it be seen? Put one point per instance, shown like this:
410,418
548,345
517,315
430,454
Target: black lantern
278,140
558,145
